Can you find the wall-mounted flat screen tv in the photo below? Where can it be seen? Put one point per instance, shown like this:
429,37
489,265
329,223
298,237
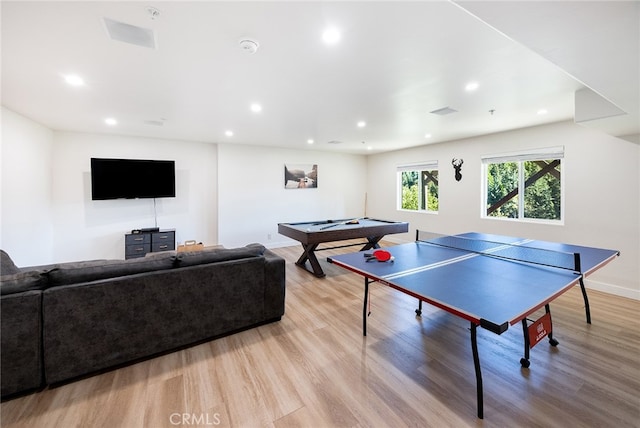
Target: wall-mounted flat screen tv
132,178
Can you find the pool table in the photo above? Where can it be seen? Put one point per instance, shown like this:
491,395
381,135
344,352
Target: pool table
313,233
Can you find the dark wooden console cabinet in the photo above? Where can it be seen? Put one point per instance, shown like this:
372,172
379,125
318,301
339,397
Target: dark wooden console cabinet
139,244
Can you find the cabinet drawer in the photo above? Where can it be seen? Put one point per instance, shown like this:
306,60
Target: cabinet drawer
163,237
136,250
137,239
162,246
163,241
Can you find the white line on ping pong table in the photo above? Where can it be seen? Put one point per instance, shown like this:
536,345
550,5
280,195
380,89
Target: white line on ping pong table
449,261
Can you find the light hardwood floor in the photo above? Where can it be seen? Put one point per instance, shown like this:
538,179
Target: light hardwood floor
315,369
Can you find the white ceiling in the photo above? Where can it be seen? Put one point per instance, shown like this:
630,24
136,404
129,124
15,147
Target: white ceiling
395,63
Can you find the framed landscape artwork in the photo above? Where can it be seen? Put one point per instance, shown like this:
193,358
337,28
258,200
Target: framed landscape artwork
300,176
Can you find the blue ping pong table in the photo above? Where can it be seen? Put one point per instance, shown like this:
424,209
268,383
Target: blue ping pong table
492,281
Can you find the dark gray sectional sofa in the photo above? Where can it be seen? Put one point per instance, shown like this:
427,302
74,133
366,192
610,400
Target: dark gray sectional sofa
67,320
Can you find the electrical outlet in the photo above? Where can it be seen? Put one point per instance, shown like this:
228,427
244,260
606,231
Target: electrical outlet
268,237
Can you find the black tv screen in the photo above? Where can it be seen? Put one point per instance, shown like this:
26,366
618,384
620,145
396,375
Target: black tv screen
132,178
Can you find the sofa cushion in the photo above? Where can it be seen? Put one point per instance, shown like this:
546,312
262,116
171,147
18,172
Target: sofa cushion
213,255
76,272
23,281
7,267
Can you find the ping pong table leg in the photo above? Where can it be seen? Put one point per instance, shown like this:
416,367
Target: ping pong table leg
586,301
419,310
524,362
552,340
364,307
476,363
527,339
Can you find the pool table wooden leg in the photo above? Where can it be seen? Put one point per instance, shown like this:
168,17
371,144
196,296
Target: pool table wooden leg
309,254
372,242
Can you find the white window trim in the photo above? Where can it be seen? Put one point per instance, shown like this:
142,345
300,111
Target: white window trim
417,166
525,155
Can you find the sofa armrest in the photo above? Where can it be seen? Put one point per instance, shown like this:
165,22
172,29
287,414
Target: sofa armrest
274,283
21,330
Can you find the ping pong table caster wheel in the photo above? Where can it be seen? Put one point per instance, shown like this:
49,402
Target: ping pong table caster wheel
553,342
418,312
525,363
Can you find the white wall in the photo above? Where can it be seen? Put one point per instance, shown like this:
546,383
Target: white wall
26,229
252,199
601,187
47,212
234,195
85,229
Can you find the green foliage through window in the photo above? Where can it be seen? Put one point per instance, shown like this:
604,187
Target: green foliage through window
419,190
502,181
541,181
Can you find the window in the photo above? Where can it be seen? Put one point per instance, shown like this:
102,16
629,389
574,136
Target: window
418,187
538,173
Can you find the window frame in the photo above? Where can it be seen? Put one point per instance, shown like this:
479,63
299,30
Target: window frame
419,168
541,154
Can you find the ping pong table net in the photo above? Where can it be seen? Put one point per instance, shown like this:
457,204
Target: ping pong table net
517,251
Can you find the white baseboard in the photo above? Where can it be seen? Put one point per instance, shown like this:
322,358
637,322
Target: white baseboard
612,289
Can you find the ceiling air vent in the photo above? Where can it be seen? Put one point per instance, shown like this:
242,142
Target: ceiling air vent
130,33
444,111
334,142
154,122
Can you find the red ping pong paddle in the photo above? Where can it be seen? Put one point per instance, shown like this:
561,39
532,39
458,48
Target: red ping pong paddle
382,255
379,255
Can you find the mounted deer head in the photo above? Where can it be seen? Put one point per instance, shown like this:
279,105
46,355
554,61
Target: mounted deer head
457,165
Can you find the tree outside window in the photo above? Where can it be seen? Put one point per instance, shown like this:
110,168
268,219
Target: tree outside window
542,196
419,187
540,181
502,189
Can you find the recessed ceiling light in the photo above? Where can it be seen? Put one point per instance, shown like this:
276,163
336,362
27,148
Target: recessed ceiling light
111,121
362,124
309,141
542,111
256,108
427,135
74,80
331,36
228,133
369,148
471,86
